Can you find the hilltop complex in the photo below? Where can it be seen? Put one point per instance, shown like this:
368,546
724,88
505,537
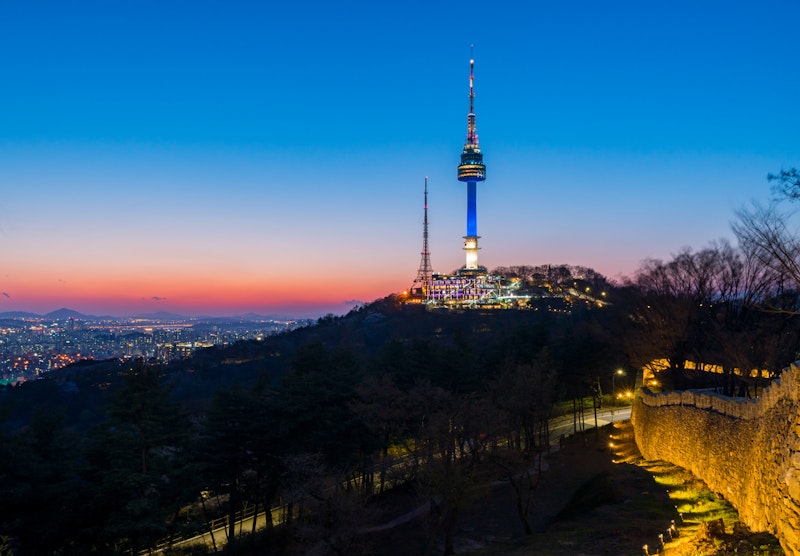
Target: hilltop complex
472,286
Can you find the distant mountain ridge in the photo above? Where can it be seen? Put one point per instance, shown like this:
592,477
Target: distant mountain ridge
66,314
19,315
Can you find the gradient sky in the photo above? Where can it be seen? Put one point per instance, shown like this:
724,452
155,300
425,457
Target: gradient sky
225,157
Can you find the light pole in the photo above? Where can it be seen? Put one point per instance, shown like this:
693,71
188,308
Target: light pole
613,376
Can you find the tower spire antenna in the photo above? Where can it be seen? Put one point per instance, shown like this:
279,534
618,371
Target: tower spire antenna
472,137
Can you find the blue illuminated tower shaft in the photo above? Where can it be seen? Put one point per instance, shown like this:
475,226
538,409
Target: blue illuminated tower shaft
472,211
471,170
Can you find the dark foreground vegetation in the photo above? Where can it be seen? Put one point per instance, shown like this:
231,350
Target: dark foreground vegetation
115,457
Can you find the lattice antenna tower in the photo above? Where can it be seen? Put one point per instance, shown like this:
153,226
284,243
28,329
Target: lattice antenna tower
424,274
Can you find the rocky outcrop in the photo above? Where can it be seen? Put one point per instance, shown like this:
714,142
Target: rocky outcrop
748,451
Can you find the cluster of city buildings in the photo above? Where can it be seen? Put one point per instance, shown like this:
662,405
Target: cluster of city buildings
31,346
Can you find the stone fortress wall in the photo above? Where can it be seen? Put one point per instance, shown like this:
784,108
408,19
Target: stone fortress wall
746,450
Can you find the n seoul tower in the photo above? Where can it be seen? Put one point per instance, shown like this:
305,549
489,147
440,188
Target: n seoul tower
471,170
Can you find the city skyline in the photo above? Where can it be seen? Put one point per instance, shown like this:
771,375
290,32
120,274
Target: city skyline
201,158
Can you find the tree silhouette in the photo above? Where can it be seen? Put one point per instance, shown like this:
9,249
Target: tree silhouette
137,461
42,508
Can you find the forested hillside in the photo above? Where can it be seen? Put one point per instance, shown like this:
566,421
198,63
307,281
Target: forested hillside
111,457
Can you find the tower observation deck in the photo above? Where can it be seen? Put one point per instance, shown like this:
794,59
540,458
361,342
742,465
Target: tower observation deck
471,170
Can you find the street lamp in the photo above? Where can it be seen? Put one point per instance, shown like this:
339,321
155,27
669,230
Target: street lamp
613,376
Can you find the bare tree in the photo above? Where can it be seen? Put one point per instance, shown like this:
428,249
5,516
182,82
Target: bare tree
768,235
522,470
672,302
765,237
380,405
333,519
524,396
707,306
447,440
788,184
737,328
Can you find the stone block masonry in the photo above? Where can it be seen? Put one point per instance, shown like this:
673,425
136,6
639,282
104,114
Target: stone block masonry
747,451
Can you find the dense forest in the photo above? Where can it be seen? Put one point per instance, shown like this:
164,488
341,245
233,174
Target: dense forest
113,457
110,457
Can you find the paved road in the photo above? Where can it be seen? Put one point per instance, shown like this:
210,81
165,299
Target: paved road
565,424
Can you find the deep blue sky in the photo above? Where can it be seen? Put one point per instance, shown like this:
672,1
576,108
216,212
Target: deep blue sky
250,145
